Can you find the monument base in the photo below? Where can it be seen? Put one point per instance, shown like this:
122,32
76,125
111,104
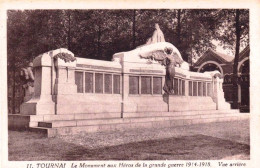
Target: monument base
55,125
33,108
180,111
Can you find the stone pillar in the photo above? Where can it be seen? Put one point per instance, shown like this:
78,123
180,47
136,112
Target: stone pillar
41,103
65,88
65,79
125,91
218,94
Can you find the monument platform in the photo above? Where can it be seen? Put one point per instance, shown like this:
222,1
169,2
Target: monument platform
57,125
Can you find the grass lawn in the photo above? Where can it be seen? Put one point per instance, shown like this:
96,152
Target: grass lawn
213,141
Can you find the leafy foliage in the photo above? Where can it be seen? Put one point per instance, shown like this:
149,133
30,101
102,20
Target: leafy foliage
225,23
65,57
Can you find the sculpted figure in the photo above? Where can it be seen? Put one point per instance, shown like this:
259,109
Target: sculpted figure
166,54
170,61
157,36
28,82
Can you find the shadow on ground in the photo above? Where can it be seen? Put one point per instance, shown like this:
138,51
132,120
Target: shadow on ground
195,147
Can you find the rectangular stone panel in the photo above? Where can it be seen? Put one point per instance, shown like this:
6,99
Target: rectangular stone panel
88,82
98,83
175,86
183,87
146,87
133,85
116,84
157,85
79,81
108,83
180,87
195,85
204,88
200,91
190,88
209,89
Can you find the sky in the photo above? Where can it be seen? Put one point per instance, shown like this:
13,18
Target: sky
220,48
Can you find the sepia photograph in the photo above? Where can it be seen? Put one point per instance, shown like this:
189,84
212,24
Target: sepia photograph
128,84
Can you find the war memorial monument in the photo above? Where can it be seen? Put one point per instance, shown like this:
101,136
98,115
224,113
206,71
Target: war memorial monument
148,87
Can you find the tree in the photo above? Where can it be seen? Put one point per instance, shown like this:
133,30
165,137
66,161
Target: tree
27,37
194,32
234,33
225,21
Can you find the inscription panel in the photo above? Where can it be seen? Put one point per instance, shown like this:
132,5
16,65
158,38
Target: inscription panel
195,89
79,81
98,83
204,88
108,83
145,71
157,85
146,85
88,82
116,84
133,85
98,67
190,88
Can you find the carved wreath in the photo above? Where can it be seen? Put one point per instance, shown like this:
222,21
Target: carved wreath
65,57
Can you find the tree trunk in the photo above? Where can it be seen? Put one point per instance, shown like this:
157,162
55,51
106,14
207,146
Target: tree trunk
235,72
14,88
179,28
133,28
237,43
69,32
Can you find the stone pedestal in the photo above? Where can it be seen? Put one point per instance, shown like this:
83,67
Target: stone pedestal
218,94
41,102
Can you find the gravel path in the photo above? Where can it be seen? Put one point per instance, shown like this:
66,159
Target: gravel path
237,131
223,140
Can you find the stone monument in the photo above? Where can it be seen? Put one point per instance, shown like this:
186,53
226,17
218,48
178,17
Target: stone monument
77,95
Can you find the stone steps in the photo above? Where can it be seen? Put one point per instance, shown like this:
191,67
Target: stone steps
88,119
175,113
107,115
124,124
140,120
69,120
76,123
193,106
82,116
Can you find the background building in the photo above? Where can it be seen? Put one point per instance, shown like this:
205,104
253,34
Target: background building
212,60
